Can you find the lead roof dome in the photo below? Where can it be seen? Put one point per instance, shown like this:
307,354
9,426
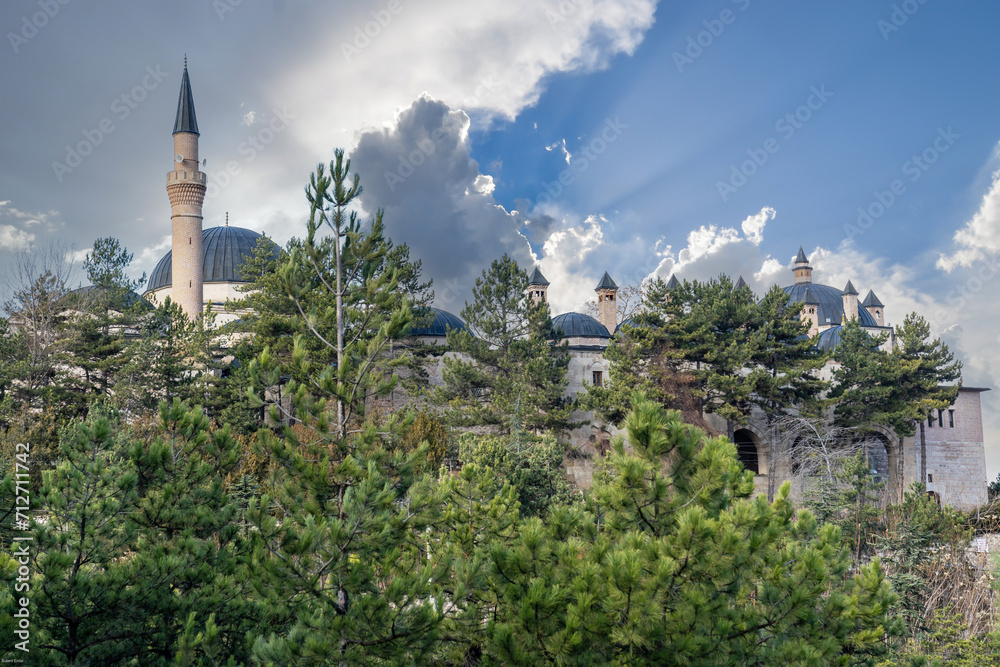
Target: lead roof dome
226,250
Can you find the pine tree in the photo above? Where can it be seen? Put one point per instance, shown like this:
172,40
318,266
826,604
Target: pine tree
639,360
718,344
934,365
672,562
342,534
869,384
138,538
85,605
189,540
13,367
106,270
515,375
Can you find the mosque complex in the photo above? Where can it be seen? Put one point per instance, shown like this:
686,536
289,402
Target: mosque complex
204,269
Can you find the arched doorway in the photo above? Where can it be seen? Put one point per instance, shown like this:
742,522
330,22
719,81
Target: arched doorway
882,457
748,449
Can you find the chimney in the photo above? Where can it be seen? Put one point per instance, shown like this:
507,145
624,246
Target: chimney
850,296
803,272
538,287
607,304
810,311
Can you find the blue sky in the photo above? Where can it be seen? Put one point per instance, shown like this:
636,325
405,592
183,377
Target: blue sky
462,118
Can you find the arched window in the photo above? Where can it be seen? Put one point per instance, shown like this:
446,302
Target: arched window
746,449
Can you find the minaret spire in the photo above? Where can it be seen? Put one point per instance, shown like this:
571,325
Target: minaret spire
186,189
187,120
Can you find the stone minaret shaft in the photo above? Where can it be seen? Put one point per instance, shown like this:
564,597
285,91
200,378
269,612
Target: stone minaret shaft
186,189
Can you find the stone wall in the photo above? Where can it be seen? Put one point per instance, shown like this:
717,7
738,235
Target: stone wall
956,460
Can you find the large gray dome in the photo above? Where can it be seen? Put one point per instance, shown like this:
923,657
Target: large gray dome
226,249
831,303
573,325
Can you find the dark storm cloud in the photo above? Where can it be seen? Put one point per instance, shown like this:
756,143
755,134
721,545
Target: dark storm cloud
435,198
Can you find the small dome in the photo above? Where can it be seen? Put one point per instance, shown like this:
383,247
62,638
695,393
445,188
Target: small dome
830,301
443,320
627,322
226,249
577,325
830,339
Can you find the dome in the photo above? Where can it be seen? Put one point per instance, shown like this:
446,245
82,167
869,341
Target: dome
627,322
830,301
829,339
225,249
577,325
443,320
89,292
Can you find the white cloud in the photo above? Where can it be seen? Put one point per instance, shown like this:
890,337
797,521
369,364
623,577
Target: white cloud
12,238
712,250
77,256
487,57
769,272
561,145
980,236
150,255
15,234
28,218
753,226
568,261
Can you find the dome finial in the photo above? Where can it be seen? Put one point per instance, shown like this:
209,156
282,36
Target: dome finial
227,218
185,61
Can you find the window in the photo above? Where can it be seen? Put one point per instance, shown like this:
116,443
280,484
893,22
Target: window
598,378
951,419
930,478
941,418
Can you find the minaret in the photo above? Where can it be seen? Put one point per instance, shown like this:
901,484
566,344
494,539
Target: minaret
607,308
186,189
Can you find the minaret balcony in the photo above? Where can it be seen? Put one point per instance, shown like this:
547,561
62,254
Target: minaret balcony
187,176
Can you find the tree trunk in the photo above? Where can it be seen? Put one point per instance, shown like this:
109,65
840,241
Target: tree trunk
772,456
341,426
